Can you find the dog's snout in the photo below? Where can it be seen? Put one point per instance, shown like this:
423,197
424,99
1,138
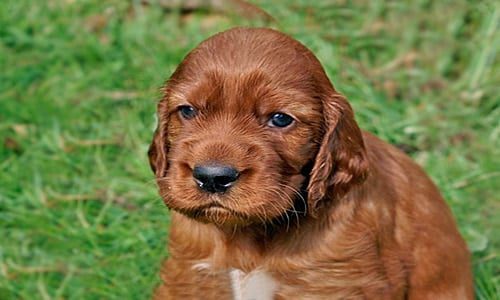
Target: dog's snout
215,178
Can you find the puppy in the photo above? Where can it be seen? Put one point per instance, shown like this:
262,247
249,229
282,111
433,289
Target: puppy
276,193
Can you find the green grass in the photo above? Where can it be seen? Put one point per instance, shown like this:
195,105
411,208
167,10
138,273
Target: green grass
79,214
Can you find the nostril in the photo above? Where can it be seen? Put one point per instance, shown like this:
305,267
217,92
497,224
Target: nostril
225,180
214,177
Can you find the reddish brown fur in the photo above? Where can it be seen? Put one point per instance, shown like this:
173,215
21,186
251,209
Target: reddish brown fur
376,227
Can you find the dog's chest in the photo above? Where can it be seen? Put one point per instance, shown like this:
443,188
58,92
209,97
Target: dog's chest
256,285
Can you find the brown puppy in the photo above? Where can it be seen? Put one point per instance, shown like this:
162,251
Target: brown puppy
277,194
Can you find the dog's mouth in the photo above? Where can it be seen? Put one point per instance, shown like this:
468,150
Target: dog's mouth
214,206
217,213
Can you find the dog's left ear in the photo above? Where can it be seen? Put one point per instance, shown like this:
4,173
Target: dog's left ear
341,161
158,149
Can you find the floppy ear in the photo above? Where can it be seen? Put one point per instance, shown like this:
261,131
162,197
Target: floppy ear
341,160
158,149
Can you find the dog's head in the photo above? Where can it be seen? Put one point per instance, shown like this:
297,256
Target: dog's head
249,128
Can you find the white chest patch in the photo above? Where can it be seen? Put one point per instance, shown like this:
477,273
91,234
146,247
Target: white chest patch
256,285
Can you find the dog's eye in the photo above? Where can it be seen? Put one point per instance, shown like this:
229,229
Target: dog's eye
187,112
280,120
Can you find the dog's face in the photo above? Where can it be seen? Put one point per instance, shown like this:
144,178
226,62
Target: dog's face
244,131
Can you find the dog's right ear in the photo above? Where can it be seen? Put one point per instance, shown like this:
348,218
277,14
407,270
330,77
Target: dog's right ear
158,149
341,161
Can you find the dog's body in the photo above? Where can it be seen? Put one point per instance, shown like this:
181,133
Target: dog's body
317,210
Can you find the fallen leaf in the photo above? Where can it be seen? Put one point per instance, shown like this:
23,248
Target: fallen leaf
12,145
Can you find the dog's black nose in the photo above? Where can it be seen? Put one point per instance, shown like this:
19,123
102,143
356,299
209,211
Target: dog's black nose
215,178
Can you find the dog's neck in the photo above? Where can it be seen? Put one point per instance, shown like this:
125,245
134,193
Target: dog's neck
249,247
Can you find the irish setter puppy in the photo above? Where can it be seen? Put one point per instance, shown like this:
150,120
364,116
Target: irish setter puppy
276,193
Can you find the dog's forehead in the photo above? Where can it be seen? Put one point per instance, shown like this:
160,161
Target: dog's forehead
249,70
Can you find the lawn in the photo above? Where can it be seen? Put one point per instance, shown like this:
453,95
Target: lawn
80,217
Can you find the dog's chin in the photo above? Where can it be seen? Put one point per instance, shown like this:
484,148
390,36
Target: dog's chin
223,218
218,215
